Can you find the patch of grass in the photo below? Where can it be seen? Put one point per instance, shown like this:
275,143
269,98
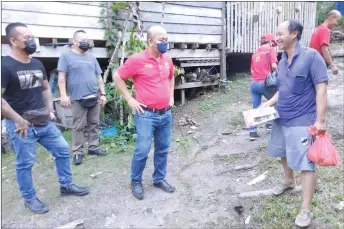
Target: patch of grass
68,136
236,120
280,212
276,212
228,159
213,101
121,143
184,142
339,197
236,90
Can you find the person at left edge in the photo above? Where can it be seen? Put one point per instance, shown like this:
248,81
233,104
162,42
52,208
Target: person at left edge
28,109
84,82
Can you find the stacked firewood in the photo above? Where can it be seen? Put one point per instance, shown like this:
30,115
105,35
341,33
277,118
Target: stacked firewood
201,75
337,36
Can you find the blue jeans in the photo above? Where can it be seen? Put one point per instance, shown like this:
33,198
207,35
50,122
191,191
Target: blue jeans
25,149
258,90
149,124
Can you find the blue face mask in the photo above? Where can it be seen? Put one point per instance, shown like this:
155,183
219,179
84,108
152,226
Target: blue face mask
162,47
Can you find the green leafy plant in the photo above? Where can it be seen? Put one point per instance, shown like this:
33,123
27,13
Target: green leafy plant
134,45
322,9
177,71
117,108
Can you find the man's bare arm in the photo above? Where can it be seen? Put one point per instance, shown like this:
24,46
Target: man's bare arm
274,67
48,98
101,85
273,100
122,86
321,101
62,83
172,87
6,109
325,51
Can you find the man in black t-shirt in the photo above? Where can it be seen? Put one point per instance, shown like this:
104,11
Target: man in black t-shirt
27,98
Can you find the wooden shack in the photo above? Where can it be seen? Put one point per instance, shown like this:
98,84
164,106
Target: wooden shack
201,34
195,28
187,23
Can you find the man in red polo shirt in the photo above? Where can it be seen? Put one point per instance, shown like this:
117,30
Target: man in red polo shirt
153,77
320,39
264,61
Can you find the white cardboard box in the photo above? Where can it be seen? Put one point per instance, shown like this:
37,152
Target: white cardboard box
260,115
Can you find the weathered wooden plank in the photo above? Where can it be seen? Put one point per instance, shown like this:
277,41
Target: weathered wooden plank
249,28
306,26
260,23
255,25
241,28
232,27
179,19
72,224
245,27
59,32
236,28
63,8
93,22
30,18
229,27
249,25
216,5
187,29
87,3
195,84
263,11
194,38
98,34
50,52
180,9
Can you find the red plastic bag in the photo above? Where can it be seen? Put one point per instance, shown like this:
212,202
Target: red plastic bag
322,151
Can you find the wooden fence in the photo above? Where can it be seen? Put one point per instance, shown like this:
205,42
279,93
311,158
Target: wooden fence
248,21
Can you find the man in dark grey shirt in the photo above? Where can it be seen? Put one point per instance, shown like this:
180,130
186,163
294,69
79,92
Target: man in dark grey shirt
84,82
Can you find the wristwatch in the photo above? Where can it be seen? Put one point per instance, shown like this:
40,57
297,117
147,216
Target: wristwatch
102,95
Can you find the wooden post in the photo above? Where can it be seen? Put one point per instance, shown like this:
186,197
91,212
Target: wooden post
171,45
223,50
37,44
195,46
182,93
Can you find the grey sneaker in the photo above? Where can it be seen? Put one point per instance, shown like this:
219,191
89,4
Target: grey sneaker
304,218
281,188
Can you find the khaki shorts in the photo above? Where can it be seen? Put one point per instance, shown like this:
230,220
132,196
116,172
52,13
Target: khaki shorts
293,143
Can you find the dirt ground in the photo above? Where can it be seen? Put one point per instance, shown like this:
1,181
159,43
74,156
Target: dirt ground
201,166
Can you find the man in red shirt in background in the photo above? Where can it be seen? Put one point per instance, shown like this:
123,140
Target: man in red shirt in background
153,77
320,39
264,61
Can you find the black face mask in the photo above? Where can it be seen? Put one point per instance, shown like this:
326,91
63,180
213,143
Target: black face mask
84,45
30,46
